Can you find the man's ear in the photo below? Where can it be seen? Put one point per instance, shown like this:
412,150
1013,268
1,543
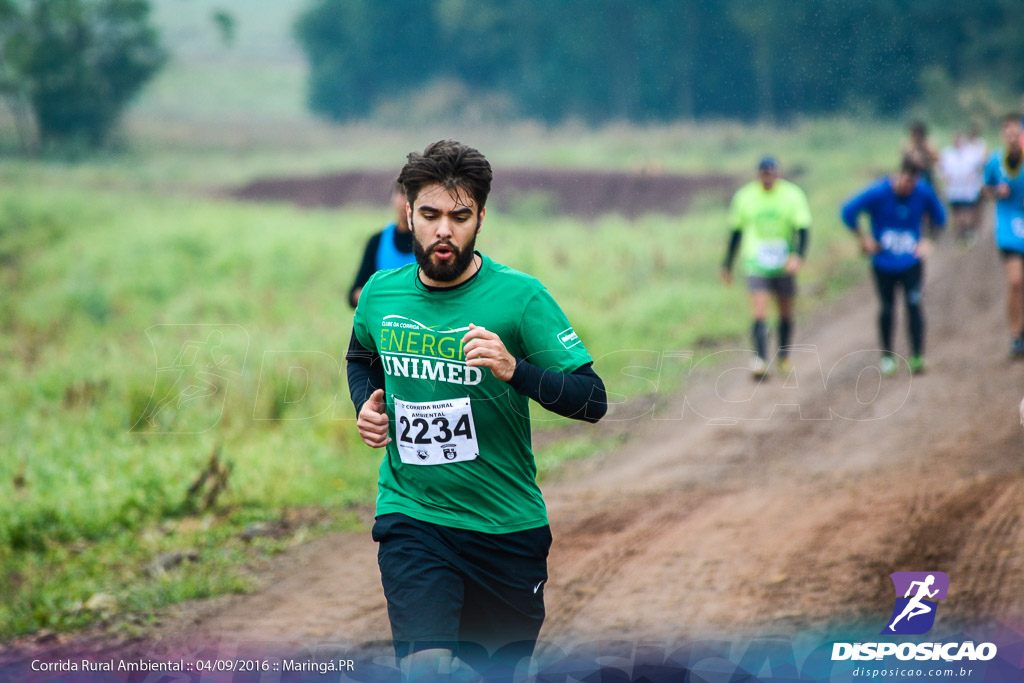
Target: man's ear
480,219
408,213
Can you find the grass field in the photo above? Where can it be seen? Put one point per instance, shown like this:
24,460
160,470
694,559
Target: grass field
109,264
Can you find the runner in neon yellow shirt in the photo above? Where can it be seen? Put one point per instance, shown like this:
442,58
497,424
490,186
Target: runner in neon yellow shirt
770,218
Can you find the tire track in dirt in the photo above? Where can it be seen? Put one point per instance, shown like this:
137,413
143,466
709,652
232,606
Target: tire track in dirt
606,545
983,546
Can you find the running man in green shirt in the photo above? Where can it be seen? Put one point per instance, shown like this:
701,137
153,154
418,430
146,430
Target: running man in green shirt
771,219
444,357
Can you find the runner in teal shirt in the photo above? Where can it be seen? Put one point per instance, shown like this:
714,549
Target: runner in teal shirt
1004,180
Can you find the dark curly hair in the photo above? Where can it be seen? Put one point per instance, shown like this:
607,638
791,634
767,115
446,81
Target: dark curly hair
453,165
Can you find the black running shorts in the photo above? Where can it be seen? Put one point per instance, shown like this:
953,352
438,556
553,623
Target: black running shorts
462,590
779,285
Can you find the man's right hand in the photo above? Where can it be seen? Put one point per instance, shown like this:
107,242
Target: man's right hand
726,276
373,421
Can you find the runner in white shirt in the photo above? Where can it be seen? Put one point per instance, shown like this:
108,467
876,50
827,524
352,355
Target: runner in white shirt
974,140
960,169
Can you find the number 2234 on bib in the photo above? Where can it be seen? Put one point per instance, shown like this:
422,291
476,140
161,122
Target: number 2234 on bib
435,433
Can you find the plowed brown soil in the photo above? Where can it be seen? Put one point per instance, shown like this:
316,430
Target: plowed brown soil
581,193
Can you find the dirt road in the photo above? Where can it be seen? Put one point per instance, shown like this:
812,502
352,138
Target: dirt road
741,516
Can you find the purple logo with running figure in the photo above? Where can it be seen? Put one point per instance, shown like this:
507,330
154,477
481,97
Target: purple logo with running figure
917,596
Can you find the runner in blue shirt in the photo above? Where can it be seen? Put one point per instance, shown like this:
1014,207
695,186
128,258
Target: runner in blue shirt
897,206
1005,182
390,248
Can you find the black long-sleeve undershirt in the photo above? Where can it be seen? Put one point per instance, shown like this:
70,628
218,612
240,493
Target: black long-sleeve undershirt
364,370
803,236
579,395
730,252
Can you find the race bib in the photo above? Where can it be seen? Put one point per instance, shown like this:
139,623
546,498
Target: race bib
1017,227
898,242
435,433
772,255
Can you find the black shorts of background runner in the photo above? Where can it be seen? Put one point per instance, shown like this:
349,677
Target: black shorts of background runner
912,281
960,204
779,285
478,594
1008,254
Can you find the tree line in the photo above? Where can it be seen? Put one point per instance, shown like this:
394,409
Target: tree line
71,66
68,68
644,60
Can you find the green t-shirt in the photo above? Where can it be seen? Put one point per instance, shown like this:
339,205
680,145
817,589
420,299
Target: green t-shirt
460,453
769,220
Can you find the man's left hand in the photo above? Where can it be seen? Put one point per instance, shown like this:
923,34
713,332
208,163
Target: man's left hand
924,249
793,263
483,348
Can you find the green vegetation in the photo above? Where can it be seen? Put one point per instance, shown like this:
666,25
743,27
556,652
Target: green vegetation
74,65
84,485
608,60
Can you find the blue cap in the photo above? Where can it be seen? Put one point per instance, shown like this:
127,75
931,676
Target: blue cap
768,163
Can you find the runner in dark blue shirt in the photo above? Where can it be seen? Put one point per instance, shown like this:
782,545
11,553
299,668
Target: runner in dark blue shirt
897,206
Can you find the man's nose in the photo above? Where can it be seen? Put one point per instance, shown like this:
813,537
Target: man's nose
444,228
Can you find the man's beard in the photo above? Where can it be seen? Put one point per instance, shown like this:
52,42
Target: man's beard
444,271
